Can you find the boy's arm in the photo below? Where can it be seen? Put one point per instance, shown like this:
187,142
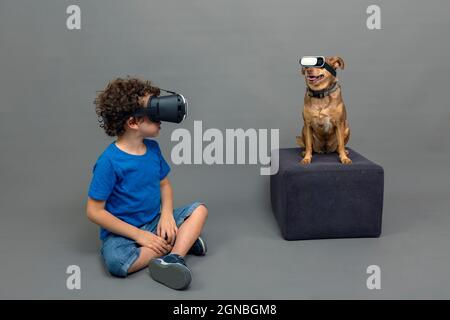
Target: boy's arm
96,212
167,227
166,197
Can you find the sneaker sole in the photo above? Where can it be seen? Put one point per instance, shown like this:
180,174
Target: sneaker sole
173,275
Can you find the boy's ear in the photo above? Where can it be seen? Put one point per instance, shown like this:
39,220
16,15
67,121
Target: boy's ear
132,123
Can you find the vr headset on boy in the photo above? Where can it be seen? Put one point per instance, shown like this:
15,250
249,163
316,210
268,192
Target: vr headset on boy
170,108
317,62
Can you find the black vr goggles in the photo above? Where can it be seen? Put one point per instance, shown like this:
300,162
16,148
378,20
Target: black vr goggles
170,108
317,62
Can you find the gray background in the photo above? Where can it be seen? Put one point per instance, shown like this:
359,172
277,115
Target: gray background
237,62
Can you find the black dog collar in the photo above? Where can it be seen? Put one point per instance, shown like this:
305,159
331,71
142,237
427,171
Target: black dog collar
322,93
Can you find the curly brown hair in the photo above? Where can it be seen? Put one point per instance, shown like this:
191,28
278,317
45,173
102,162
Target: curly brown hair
116,104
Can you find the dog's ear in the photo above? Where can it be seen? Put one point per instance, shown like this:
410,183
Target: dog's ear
303,70
337,62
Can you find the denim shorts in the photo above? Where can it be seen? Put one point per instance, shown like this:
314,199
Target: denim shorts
119,253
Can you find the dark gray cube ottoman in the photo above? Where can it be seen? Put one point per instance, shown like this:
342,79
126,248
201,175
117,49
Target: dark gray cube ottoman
327,199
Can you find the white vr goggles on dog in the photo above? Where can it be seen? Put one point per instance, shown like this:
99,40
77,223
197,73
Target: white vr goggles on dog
317,62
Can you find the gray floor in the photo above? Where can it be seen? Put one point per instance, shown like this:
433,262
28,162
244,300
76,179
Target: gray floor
247,257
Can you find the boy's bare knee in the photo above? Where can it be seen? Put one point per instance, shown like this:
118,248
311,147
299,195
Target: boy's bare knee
200,211
203,209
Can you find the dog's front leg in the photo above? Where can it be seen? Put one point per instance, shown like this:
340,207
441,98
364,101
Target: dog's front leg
340,132
308,144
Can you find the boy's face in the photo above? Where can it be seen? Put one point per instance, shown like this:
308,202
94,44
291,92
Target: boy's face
149,128
145,126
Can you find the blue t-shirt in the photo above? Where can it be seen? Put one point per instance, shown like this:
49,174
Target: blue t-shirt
129,183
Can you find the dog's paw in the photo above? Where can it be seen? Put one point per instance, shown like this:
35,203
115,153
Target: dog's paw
306,160
346,160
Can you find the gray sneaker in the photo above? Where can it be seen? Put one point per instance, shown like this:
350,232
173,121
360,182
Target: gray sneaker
170,270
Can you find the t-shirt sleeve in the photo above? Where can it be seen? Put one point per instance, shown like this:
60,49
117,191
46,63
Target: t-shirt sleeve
103,180
164,166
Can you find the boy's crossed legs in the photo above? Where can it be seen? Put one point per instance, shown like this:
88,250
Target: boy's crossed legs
122,256
187,234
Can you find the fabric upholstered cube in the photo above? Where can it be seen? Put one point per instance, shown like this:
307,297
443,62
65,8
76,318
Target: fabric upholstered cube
327,199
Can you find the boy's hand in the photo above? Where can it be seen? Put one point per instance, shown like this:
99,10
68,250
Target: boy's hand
167,228
152,241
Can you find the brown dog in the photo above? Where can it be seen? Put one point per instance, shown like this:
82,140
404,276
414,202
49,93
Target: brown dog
325,126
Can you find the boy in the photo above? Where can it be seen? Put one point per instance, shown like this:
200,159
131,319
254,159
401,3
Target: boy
130,196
